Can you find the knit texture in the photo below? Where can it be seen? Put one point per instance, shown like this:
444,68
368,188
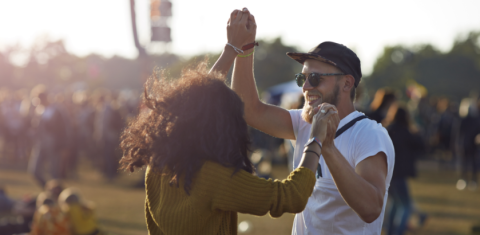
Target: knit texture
217,195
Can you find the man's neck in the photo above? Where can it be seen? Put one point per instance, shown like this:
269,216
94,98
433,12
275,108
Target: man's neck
344,109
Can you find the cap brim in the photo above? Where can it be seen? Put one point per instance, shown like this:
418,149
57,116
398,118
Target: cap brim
301,57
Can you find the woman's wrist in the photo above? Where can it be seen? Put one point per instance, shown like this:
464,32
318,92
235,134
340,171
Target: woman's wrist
229,50
313,147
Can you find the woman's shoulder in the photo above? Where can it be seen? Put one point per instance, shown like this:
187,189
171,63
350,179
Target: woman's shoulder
215,169
218,173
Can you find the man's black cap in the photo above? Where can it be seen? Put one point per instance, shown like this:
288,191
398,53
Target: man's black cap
335,54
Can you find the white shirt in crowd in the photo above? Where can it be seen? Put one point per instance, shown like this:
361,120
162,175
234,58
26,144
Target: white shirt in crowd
326,211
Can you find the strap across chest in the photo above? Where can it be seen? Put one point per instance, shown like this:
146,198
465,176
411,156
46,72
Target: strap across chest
339,132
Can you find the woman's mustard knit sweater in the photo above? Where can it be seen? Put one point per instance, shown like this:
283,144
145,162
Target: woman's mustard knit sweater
216,196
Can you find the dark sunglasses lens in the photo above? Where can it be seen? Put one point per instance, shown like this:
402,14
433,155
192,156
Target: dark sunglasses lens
314,79
300,78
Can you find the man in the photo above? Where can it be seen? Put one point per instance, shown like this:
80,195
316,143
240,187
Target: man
356,167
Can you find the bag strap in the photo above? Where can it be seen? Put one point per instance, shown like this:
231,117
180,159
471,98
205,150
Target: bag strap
348,125
339,132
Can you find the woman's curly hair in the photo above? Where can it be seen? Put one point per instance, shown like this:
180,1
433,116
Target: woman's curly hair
193,119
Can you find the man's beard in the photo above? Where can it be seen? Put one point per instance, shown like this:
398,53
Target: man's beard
307,113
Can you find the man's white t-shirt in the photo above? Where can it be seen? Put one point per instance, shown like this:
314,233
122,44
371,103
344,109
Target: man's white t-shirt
326,211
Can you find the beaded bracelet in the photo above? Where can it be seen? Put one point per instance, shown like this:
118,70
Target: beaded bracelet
239,51
251,53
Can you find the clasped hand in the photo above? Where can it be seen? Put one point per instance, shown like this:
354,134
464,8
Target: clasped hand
324,124
241,28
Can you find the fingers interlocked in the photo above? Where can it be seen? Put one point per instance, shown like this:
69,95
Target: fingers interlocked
241,28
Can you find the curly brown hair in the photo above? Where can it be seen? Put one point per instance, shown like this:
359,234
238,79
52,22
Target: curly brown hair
193,119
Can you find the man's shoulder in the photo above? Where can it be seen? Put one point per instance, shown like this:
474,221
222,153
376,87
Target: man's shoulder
371,131
295,112
369,138
369,126
296,117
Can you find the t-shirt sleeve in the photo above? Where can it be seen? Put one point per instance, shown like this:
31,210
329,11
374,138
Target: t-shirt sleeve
372,139
296,116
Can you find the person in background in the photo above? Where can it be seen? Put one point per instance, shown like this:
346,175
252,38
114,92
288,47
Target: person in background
49,219
407,146
53,188
468,136
448,121
15,121
382,101
81,214
85,119
15,215
108,126
51,138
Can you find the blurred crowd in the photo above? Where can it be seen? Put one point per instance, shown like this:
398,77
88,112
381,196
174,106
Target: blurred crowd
449,131
436,129
51,130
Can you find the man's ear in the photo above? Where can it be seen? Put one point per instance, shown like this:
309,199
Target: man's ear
349,83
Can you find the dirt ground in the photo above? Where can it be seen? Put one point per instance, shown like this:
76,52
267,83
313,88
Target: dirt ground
120,206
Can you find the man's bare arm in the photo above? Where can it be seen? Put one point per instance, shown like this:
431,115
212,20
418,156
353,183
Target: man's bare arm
270,119
241,30
362,188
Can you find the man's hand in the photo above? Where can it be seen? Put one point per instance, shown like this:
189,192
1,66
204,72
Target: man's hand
241,28
324,124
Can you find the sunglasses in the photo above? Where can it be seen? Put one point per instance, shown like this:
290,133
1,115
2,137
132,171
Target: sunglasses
313,78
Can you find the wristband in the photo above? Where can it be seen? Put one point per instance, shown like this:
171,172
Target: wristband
312,140
251,53
311,151
239,51
249,46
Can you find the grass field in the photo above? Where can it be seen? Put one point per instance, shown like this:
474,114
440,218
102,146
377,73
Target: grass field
120,206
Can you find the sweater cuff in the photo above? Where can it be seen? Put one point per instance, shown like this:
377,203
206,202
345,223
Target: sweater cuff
306,175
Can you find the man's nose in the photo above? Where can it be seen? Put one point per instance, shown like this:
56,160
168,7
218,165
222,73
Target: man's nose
307,85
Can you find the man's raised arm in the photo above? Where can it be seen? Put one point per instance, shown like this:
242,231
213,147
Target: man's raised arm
270,119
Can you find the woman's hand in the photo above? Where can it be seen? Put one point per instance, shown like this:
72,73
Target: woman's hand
241,28
325,123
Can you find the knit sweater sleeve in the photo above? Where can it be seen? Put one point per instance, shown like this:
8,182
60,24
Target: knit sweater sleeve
246,193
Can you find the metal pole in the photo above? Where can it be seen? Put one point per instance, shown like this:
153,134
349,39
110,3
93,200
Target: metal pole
142,53
141,50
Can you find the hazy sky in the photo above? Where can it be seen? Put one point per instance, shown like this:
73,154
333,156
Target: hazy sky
103,26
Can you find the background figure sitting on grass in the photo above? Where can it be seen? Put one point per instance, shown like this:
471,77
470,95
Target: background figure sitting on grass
49,219
81,213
